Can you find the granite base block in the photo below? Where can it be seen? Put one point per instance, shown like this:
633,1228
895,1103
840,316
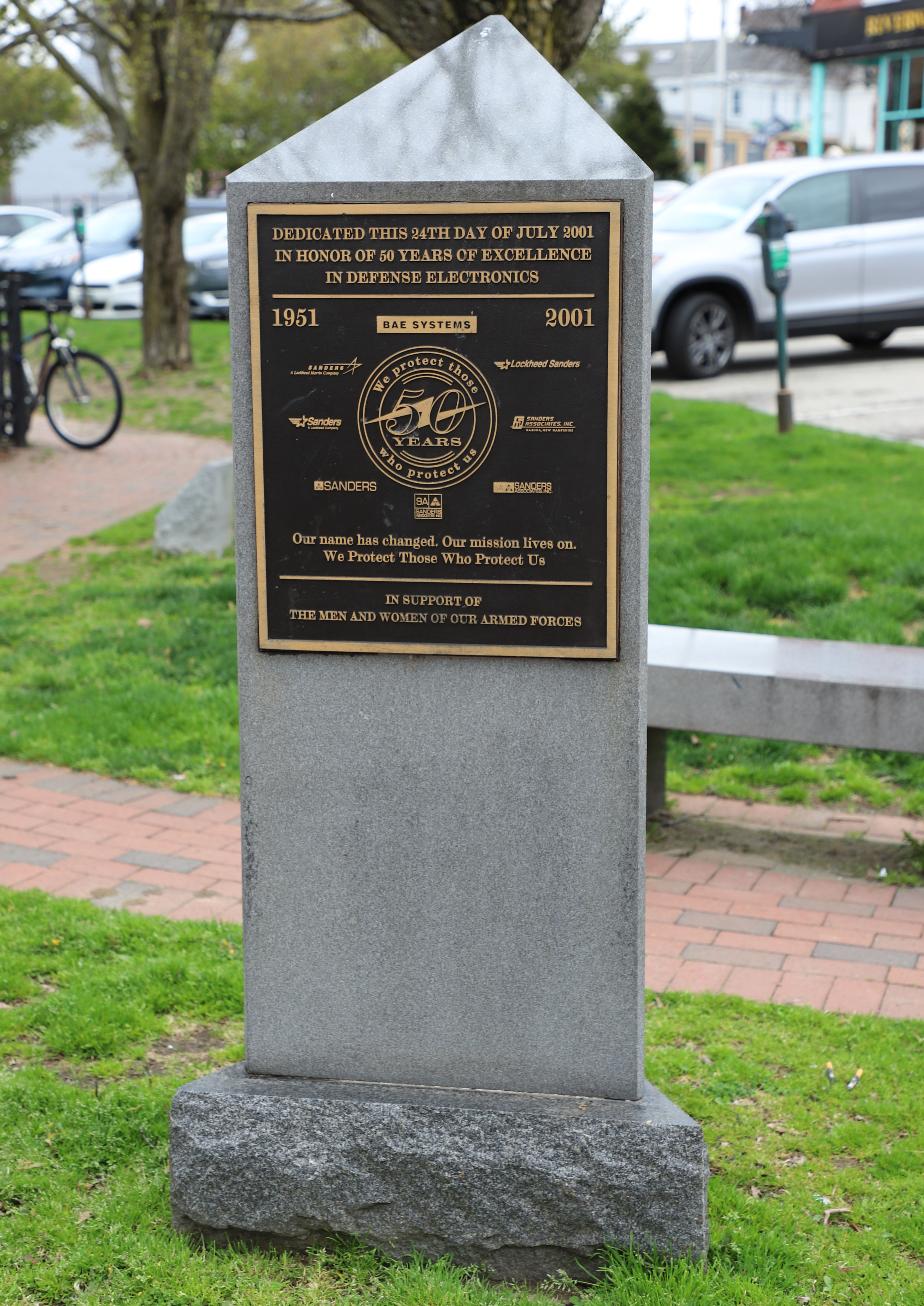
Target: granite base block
521,1185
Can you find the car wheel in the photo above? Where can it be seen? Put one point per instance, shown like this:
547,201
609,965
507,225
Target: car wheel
699,338
866,339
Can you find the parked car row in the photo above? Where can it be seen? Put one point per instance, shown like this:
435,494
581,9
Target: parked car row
48,256
110,287
856,248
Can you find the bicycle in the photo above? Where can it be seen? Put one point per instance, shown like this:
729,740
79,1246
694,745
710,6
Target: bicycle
81,393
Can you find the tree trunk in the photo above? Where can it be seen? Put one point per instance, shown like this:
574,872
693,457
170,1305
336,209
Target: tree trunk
172,67
559,29
165,326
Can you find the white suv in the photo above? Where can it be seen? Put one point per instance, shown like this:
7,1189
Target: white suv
857,256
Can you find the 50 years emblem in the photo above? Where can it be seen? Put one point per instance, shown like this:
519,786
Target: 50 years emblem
427,417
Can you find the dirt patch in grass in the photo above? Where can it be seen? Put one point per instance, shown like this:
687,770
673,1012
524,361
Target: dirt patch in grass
188,1047
68,563
806,854
743,492
180,1052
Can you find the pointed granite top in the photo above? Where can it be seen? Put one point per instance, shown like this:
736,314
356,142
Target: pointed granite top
485,106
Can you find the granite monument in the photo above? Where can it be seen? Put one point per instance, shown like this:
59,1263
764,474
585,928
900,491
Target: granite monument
440,351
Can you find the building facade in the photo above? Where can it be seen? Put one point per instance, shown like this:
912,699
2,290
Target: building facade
886,38
768,100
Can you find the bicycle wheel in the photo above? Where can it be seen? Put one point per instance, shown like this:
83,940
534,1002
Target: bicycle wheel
83,399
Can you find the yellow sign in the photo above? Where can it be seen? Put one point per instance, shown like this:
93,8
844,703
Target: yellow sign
432,326
907,20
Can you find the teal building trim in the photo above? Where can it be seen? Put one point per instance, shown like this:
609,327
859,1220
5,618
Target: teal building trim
817,127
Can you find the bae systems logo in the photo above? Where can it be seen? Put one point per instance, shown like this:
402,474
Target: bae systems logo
427,418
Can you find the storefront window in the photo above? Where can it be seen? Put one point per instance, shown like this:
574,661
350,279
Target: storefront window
894,96
916,82
905,134
901,124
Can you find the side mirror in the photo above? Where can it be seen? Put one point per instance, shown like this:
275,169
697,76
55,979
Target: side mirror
756,228
135,241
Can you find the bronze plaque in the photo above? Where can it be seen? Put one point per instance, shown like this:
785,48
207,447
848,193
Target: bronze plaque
435,399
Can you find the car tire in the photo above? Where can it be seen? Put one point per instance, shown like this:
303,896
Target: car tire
700,334
866,339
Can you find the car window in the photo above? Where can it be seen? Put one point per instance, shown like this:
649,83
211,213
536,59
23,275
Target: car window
9,224
891,194
715,202
818,202
45,233
27,220
116,224
203,229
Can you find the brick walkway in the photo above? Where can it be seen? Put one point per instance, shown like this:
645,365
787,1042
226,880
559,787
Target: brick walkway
821,821
717,922
50,492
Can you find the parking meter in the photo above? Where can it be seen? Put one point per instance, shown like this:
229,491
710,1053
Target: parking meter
773,226
773,230
80,231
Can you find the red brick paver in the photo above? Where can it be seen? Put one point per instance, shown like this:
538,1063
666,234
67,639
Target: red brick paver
50,492
717,923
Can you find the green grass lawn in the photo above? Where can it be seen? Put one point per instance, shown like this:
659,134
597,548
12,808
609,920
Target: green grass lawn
113,660
197,401
813,534
103,1015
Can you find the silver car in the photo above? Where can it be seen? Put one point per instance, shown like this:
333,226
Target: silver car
857,256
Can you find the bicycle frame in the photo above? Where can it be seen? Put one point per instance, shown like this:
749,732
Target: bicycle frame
58,348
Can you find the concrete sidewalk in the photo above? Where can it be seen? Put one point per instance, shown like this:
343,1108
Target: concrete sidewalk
50,492
874,392
717,921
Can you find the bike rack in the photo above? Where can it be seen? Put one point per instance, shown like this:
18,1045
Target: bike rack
14,417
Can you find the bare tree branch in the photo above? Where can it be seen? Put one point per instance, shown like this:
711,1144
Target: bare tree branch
287,15
122,136
92,19
39,31
559,29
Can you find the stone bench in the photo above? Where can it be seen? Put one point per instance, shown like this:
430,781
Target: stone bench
809,691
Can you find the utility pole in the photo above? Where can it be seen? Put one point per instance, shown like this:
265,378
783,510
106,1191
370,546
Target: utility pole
688,92
721,78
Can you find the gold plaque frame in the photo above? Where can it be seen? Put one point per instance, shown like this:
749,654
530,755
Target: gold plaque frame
610,649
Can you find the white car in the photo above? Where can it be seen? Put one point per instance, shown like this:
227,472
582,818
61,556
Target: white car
857,256
665,192
111,287
15,218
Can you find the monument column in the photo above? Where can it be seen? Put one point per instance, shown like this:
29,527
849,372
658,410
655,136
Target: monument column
440,338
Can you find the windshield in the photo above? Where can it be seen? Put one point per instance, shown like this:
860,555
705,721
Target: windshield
715,202
203,229
116,224
42,234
